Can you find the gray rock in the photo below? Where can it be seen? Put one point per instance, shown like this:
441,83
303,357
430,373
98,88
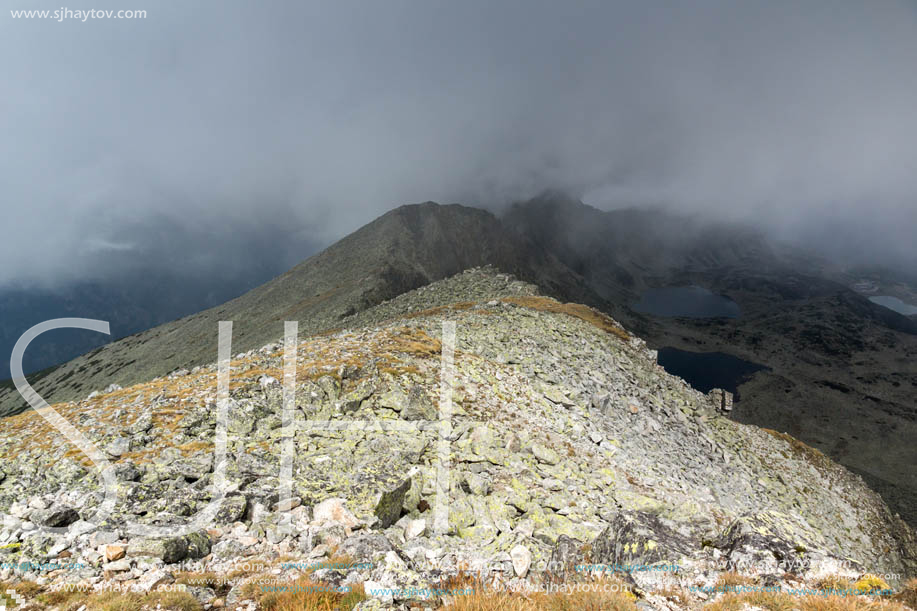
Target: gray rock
545,454
203,595
118,446
558,396
143,423
198,544
352,400
567,553
56,516
393,399
365,547
752,545
473,483
635,537
127,471
418,406
152,579
118,566
170,550
390,504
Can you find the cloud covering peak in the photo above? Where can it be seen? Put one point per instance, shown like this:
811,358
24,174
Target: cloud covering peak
230,118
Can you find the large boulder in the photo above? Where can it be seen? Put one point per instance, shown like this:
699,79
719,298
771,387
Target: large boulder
365,547
639,538
232,509
57,516
759,544
352,400
419,406
566,555
334,512
171,549
390,504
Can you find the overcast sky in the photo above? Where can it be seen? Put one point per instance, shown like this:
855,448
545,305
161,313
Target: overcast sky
210,128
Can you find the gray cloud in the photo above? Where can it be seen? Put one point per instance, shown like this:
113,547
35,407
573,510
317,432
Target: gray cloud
175,136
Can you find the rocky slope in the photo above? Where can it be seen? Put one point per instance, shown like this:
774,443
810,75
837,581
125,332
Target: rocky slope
567,445
841,372
404,249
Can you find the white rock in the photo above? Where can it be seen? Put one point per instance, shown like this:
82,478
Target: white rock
152,579
525,528
415,528
103,537
117,566
80,527
288,504
319,550
378,590
118,446
522,560
333,511
394,561
19,510
11,522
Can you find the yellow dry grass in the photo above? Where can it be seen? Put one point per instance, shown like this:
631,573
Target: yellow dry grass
76,598
303,594
576,310
460,306
778,601
806,452
908,594
599,594
732,578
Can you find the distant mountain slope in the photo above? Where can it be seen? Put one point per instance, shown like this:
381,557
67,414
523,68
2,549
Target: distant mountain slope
404,249
623,251
131,304
842,372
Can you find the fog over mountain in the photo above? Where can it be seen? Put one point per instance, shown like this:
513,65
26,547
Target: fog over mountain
297,122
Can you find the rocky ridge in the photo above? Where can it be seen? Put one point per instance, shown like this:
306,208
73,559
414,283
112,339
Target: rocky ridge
568,446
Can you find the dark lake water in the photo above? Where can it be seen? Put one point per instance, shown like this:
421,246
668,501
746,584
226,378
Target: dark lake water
893,303
705,371
687,301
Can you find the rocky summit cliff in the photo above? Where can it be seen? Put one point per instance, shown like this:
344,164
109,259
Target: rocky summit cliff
569,454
